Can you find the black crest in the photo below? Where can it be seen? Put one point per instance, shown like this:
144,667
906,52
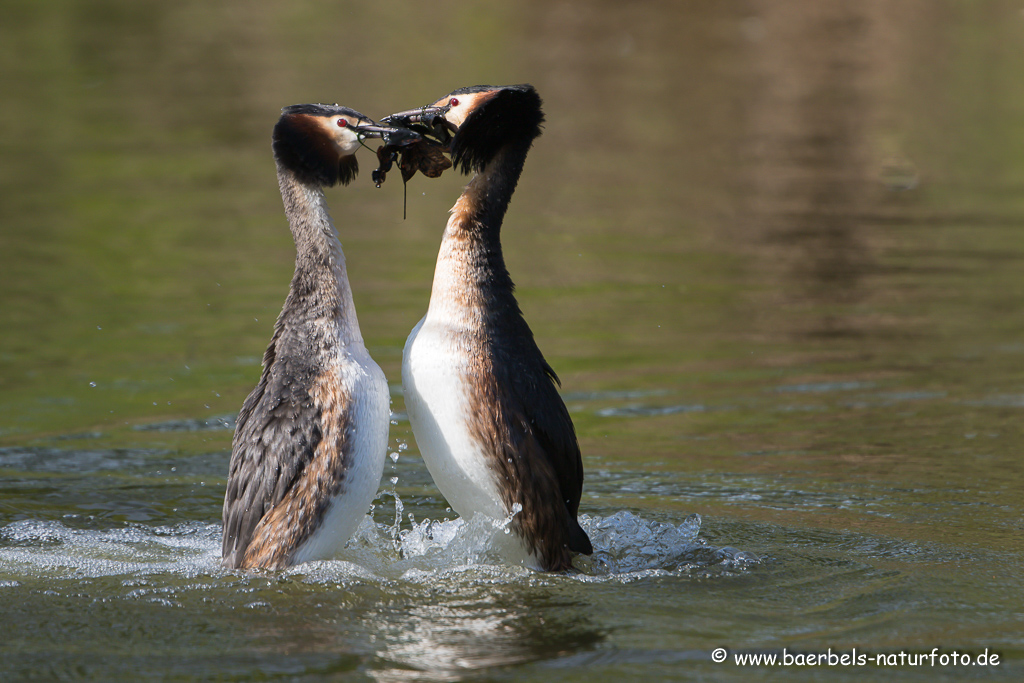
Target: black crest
512,115
303,147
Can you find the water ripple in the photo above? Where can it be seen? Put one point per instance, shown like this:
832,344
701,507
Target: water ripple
821,387
220,423
637,410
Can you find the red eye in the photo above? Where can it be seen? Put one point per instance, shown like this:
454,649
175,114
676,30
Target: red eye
342,123
453,102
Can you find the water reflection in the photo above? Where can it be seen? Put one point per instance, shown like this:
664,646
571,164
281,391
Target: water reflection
457,638
821,143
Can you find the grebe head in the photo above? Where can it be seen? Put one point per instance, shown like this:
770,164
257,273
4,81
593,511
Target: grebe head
318,142
483,119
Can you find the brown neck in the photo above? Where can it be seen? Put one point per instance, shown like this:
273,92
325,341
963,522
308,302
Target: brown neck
472,286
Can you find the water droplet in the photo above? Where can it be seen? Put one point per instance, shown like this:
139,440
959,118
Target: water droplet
394,457
92,384
394,480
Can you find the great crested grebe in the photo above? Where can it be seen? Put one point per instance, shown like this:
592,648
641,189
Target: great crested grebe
487,417
309,445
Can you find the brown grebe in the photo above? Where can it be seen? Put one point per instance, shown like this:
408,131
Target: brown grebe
310,441
487,417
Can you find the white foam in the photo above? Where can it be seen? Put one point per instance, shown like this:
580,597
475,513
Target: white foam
629,547
51,549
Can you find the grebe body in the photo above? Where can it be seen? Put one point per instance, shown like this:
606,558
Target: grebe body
310,441
482,400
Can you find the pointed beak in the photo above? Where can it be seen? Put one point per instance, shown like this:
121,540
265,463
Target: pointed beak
389,134
430,116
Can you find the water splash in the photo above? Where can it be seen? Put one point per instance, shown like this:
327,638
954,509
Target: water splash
36,548
626,547
629,546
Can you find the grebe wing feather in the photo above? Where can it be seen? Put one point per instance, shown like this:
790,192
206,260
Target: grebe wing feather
276,437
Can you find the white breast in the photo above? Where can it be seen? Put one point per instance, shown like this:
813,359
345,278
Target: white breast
364,381
434,382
